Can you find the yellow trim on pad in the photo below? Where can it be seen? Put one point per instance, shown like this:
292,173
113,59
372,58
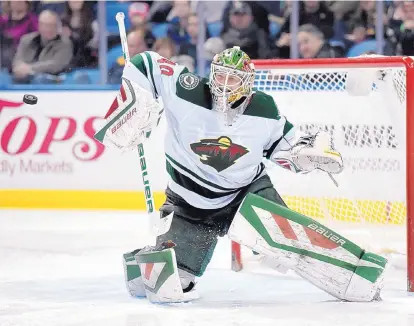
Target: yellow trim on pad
76,199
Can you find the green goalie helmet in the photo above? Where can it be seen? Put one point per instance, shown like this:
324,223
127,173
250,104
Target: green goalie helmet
231,77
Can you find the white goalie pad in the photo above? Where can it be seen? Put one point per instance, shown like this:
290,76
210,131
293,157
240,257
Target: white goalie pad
161,278
310,153
132,116
295,242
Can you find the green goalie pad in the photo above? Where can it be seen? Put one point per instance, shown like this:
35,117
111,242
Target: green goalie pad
311,249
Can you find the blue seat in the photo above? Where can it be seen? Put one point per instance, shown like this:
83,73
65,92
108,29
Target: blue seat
5,78
112,8
215,28
113,55
82,76
160,30
362,48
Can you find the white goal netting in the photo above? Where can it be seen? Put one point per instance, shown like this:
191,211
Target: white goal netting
364,109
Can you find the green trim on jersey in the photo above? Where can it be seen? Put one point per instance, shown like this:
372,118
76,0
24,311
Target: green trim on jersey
147,71
209,183
197,95
263,106
151,69
190,185
139,63
288,127
197,188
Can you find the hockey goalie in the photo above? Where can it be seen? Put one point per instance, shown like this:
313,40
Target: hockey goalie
219,130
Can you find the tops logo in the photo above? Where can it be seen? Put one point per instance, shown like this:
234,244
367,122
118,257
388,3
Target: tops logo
22,134
9,104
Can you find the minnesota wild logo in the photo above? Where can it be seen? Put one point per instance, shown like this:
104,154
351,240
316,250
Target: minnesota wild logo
218,153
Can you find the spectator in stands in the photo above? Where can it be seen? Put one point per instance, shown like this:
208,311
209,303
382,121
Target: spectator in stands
358,35
190,47
43,52
138,16
402,23
179,14
82,29
54,5
245,33
136,44
159,11
19,22
211,47
312,44
407,29
366,12
4,9
212,10
168,49
311,12
259,13
165,47
342,11
316,13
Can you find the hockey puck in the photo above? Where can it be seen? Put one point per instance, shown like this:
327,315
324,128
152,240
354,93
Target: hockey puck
29,99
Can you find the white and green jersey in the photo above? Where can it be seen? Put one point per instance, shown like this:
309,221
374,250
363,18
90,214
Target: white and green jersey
208,163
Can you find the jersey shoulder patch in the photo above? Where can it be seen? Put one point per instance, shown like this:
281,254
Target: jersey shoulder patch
194,89
263,106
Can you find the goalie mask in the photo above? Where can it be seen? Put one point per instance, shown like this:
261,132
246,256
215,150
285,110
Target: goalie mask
231,83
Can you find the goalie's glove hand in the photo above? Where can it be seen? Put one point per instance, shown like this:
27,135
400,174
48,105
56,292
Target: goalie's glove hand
311,153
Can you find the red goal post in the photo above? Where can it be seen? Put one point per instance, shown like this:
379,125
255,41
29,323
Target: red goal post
325,73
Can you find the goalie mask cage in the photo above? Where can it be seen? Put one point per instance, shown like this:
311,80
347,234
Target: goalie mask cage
364,104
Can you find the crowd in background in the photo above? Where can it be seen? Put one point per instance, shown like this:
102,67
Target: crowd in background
41,40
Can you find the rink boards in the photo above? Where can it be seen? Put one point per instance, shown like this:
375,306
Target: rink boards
49,159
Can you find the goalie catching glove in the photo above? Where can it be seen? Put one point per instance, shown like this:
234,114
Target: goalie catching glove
310,153
131,118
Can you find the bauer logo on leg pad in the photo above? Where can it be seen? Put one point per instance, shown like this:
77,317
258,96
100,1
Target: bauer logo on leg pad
286,232
291,226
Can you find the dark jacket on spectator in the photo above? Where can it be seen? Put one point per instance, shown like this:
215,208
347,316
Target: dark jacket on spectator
10,34
323,18
407,42
190,49
53,57
259,13
252,40
327,51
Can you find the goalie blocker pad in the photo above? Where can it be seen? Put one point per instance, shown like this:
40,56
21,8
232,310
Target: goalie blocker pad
133,115
154,274
316,253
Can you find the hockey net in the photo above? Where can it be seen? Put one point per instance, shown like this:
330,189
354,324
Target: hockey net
363,104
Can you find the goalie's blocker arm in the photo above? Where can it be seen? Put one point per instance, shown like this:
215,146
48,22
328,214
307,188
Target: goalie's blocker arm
136,110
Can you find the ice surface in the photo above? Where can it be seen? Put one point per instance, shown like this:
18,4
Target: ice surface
64,268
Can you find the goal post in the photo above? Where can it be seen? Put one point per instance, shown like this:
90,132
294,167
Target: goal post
367,105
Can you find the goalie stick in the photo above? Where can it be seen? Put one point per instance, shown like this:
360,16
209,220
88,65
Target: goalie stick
159,225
